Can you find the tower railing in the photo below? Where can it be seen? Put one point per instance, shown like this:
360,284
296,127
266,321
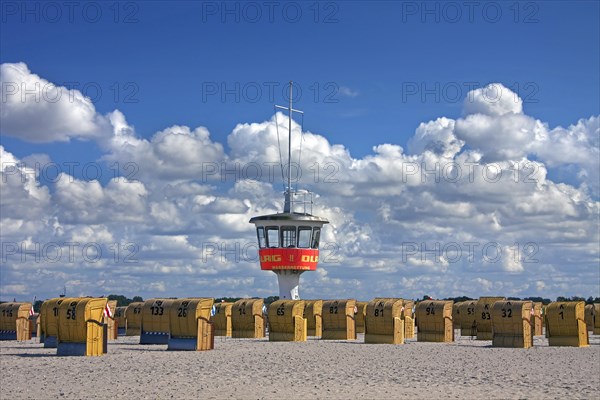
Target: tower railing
301,201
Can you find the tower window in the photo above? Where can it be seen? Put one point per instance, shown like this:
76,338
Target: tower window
288,236
316,235
262,240
272,236
304,234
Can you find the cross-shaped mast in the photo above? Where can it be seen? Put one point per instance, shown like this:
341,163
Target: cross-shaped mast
287,207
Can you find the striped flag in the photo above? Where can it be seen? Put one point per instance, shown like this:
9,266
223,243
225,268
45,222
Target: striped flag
31,310
107,311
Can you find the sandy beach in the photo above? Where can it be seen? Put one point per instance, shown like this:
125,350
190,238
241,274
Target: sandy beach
259,369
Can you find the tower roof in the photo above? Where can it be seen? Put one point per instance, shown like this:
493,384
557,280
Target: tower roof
289,217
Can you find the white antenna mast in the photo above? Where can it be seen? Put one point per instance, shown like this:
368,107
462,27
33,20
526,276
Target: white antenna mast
287,207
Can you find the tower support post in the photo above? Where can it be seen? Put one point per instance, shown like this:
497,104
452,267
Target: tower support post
289,280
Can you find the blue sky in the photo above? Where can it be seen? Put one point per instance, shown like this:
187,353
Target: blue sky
370,74
378,50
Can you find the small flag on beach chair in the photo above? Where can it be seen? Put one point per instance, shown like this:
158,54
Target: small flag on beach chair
31,310
107,311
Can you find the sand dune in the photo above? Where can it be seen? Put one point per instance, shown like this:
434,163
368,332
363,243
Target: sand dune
259,369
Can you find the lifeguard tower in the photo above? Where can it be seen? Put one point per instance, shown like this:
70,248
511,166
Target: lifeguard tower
289,241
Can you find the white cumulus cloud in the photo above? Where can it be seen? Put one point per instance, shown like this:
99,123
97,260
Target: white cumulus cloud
401,223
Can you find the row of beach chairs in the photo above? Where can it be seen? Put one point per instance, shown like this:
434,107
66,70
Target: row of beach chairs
83,326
